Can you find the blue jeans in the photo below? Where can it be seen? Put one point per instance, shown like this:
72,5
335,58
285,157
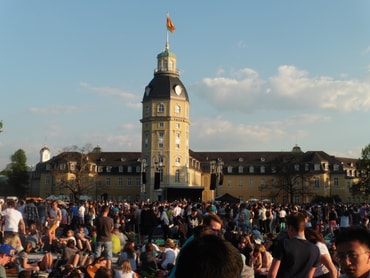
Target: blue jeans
107,252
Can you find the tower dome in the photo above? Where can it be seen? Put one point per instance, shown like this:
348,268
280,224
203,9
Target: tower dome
296,149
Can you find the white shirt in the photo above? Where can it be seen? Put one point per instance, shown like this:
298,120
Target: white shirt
12,219
171,255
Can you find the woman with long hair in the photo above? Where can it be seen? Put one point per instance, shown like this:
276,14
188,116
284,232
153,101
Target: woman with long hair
125,270
326,269
129,253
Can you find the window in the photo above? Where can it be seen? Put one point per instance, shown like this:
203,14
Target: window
273,169
138,169
307,167
109,169
72,166
129,181
325,166
240,183
316,182
177,125
336,167
336,182
296,167
129,169
138,181
147,110
251,169
177,108
48,167
177,176
240,169
178,160
161,174
161,124
120,181
100,169
263,184
160,145
273,183
62,166
229,183
160,108
229,169
107,181
251,182
160,134
317,167
263,169
47,179
120,168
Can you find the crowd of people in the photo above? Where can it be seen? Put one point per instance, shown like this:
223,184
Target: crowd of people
183,239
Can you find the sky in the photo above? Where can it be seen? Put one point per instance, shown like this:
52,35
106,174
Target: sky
261,75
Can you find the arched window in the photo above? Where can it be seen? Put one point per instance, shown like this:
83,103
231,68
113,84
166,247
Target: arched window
177,108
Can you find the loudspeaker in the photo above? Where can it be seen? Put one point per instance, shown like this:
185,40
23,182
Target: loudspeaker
157,180
221,181
143,176
213,181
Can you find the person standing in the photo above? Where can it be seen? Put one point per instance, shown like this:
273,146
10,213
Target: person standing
294,256
31,213
54,217
353,252
12,220
104,227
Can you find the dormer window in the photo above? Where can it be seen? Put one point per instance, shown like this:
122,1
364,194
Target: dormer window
109,169
230,169
251,169
240,169
240,159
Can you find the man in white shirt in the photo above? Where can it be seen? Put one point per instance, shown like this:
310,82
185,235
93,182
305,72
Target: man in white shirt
12,220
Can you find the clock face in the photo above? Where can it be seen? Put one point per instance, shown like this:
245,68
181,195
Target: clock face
147,90
178,90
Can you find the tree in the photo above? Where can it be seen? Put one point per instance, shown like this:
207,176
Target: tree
18,178
292,179
1,126
72,170
361,188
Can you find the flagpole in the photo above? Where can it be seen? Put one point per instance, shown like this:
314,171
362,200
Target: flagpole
167,45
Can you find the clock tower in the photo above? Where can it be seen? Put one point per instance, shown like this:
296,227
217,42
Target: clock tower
165,130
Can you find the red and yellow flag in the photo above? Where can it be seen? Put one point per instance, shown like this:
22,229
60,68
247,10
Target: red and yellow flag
170,26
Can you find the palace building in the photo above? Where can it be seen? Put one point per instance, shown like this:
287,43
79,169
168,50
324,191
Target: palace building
167,169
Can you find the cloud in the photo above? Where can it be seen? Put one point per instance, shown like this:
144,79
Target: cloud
219,133
55,109
289,89
130,100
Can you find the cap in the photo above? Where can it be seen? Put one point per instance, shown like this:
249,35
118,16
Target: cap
7,249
